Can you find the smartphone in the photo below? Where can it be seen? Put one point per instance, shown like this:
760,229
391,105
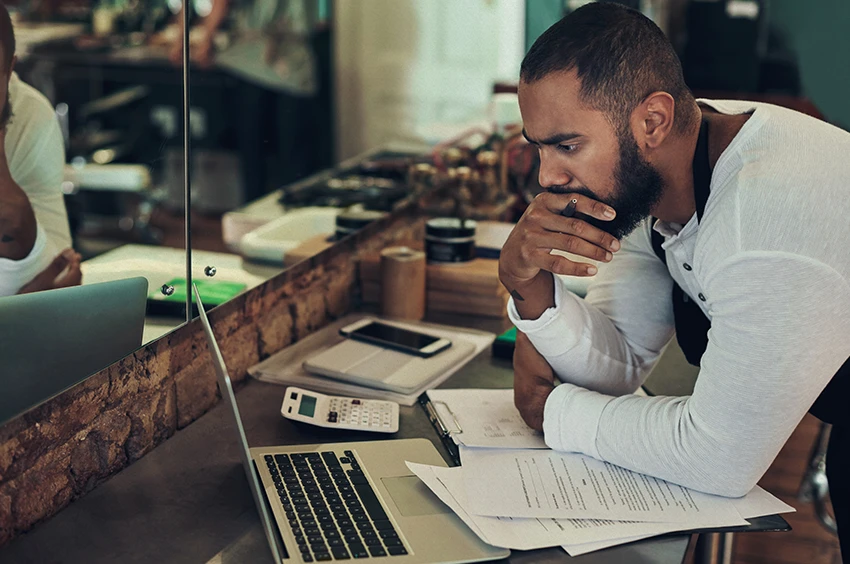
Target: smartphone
392,337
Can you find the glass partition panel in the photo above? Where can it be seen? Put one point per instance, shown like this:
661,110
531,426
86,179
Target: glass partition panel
261,100
315,114
93,139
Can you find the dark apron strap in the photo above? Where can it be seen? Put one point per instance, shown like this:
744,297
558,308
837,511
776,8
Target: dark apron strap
702,171
702,186
692,325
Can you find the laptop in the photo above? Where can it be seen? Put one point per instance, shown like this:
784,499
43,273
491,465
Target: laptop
344,501
52,340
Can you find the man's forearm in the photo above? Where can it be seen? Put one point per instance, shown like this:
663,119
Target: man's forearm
17,219
533,298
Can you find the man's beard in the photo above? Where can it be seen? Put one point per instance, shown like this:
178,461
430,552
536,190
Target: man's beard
638,185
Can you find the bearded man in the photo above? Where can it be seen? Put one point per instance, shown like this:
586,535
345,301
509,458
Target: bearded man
730,223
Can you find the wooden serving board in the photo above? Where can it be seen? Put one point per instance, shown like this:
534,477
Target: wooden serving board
479,276
455,302
308,249
484,306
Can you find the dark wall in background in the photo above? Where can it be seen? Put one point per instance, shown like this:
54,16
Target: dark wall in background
539,15
817,32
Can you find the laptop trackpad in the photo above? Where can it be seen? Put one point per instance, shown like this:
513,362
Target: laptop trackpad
412,497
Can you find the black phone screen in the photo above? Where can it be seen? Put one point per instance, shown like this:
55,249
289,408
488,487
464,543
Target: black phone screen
390,334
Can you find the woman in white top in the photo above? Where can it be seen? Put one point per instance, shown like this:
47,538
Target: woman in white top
33,221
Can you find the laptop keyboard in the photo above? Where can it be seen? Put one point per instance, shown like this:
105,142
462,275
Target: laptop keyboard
331,507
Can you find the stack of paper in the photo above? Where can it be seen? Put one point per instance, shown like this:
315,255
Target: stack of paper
536,498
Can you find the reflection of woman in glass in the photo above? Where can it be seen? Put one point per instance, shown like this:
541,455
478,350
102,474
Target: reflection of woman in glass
33,221
269,46
282,114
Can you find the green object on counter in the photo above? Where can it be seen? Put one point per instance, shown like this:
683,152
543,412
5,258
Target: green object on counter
213,293
503,346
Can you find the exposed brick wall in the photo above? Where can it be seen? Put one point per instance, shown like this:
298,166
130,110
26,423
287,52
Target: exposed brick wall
64,448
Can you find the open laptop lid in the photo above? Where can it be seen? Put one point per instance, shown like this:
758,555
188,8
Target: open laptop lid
51,341
278,551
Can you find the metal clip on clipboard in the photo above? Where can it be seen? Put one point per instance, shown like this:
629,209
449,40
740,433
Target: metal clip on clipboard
438,423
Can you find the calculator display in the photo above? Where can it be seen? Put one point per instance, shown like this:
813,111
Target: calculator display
308,406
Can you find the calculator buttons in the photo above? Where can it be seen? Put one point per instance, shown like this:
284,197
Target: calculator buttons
345,413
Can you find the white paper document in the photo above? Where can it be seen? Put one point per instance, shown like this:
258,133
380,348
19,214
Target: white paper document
529,533
757,503
587,547
528,483
576,536
484,418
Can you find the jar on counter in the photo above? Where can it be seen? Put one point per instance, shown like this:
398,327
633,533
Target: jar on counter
449,240
348,222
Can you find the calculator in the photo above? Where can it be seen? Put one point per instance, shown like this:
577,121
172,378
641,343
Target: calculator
337,412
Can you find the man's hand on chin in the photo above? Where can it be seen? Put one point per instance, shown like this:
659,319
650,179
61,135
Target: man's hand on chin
534,380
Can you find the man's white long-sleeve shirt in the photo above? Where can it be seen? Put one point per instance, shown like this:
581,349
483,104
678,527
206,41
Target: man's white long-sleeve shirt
769,264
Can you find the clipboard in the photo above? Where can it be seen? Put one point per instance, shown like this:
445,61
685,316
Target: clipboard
479,418
445,429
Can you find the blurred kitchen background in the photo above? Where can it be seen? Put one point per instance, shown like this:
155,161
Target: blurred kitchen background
384,74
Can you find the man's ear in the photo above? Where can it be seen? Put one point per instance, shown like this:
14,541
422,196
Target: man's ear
653,119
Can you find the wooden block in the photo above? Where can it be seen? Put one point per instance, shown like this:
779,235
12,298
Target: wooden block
485,306
371,292
370,268
403,283
309,248
479,276
436,300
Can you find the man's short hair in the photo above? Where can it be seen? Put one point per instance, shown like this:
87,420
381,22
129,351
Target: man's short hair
7,36
620,57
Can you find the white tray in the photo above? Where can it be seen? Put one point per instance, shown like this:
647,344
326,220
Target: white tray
270,242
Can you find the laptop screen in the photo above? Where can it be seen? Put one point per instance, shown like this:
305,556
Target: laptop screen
51,341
